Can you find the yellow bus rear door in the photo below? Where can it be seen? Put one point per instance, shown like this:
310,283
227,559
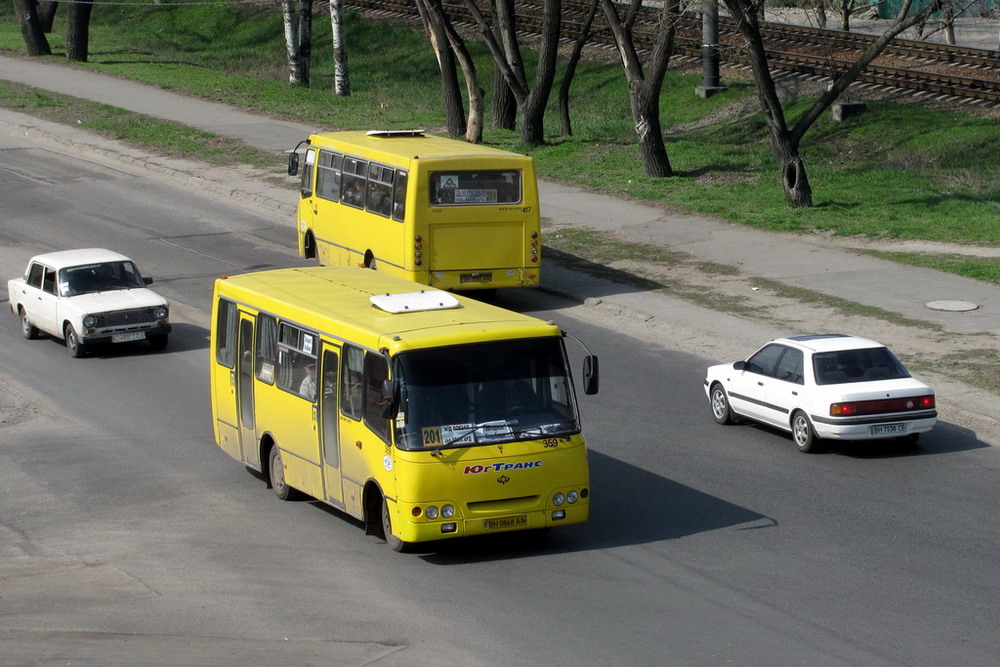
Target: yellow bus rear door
250,453
329,427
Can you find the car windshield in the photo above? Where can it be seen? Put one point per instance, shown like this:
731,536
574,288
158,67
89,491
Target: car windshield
484,393
99,277
865,365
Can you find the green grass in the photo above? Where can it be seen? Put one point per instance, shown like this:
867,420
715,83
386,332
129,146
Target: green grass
899,172
980,268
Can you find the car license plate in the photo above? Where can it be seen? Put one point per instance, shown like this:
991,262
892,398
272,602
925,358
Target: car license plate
126,337
887,429
506,522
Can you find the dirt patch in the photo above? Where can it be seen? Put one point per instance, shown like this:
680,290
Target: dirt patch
20,405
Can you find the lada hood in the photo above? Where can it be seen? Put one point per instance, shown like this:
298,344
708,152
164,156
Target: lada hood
112,300
870,391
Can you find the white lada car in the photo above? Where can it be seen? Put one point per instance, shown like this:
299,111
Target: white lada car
86,297
823,386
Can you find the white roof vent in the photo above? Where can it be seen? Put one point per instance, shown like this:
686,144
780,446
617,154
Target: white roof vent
395,133
415,302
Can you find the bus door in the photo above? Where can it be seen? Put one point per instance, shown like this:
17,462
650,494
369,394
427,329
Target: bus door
329,426
307,201
244,393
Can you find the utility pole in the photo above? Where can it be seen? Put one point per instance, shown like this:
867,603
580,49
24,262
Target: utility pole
710,84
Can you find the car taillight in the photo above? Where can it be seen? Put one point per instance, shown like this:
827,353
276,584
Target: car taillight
842,409
881,406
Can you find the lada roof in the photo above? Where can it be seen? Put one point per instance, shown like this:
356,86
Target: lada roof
404,146
829,342
337,301
66,258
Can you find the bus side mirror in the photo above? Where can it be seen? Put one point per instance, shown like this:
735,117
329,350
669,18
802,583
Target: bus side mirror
387,402
293,163
591,374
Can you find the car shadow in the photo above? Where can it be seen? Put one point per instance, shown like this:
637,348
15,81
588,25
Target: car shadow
184,337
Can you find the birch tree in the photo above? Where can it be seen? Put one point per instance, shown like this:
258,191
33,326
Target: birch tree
341,72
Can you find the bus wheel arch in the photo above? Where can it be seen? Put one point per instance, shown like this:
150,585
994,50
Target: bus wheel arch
309,246
372,508
266,444
369,262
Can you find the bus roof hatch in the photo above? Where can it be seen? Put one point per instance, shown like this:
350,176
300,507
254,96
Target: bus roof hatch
395,133
414,302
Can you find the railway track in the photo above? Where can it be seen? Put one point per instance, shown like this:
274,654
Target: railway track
959,74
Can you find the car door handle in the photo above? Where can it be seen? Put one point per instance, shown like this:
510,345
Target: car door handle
760,384
795,393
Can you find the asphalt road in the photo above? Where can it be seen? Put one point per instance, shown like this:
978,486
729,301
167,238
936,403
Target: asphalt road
127,536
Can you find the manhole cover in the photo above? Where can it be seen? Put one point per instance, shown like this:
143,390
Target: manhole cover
952,306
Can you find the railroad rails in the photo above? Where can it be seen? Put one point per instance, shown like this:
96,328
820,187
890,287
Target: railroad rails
960,74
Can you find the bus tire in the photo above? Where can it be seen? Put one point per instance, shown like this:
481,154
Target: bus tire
309,246
73,345
276,473
394,542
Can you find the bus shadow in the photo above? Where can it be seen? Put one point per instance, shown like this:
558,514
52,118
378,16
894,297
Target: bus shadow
631,506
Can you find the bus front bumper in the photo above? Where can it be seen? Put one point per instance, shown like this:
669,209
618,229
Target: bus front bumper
424,531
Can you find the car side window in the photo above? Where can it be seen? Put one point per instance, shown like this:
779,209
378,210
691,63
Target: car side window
35,272
764,361
789,367
49,281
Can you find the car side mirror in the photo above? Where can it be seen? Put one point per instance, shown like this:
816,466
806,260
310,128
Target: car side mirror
147,281
739,365
293,163
591,374
387,402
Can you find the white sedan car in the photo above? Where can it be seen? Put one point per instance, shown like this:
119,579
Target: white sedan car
87,297
823,386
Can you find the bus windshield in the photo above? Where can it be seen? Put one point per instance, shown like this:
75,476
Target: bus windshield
484,394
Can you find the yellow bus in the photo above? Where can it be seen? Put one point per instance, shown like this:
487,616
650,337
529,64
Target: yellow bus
424,414
437,211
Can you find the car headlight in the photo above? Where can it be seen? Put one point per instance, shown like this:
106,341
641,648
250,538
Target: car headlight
89,321
160,313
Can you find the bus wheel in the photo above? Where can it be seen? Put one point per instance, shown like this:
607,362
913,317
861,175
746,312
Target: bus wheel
276,470
310,246
394,542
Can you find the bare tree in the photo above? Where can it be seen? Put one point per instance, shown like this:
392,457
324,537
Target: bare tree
474,125
784,140
531,100
570,71
78,30
297,18
433,18
31,28
341,72
504,108
47,14
645,82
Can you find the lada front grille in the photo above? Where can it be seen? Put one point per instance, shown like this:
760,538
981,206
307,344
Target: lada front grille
126,318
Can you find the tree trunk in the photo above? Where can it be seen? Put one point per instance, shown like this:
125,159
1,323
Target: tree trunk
574,59
474,124
289,20
31,28
821,14
305,40
47,14
341,72
845,14
533,109
78,31
451,93
645,103
504,112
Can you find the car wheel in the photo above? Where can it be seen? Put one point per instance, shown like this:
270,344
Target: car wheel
276,470
29,330
73,344
721,409
157,343
803,433
394,542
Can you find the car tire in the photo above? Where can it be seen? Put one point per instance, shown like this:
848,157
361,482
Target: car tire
157,343
29,330
276,472
73,345
721,410
803,433
394,542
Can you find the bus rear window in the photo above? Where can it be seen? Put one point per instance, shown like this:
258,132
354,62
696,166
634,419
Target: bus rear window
472,188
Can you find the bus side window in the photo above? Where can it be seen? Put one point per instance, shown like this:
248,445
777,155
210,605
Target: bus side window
267,347
306,189
399,196
352,390
376,370
354,180
225,326
328,175
379,190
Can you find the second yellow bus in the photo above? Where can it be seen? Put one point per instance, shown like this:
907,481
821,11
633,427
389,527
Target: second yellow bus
424,414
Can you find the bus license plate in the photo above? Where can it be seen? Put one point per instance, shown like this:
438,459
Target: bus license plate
126,337
886,429
506,522
480,277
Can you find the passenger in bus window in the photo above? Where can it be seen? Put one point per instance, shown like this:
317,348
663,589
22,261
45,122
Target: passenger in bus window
308,386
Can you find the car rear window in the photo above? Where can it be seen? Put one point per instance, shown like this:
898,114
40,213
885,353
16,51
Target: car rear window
864,365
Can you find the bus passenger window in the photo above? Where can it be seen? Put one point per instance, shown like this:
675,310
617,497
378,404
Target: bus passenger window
328,176
399,196
267,348
379,190
352,390
225,326
376,370
306,188
353,182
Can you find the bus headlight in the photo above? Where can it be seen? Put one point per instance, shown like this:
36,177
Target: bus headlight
572,497
558,499
89,321
447,511
431,512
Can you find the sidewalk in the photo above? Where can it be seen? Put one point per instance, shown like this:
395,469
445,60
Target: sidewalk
791,260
